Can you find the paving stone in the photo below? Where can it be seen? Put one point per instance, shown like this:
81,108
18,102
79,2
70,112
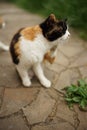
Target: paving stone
82,116
51,75
16,98
39,110
9,77
71,50
64,112
54,94
55,67
80,61
83,71
14,122
66,78
1,95
61,59
57,126
4,7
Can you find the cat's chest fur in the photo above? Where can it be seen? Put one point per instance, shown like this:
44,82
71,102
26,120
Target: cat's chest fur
34,50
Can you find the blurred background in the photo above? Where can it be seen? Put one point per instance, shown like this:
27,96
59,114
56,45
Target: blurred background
74,10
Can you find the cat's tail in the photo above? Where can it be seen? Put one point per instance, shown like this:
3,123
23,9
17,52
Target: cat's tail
14,48
4,47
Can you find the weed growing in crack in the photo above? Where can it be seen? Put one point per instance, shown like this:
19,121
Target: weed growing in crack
77,94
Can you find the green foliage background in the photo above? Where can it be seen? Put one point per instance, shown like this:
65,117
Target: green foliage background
74,10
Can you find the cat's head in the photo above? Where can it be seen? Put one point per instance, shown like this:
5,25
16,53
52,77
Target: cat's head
54,29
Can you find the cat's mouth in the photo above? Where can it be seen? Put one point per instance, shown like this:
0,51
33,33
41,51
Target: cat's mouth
65,36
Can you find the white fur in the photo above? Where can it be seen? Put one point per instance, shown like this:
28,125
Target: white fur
65,36
3,47
32,54
3,25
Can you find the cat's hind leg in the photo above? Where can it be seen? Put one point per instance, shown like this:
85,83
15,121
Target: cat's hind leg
39,73
23,73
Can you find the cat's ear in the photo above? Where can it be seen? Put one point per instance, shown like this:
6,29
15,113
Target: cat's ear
49,22
51,18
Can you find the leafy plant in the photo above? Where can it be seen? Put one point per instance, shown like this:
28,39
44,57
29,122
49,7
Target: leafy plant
77,94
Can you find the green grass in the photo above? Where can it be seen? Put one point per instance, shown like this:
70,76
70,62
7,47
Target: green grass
74,10
77,94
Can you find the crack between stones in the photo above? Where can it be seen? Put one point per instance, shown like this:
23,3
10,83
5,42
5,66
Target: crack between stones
2,97
52,114
7,116
76,57
76,120
32,100
67,121
64,54
25,120
79,72
60,92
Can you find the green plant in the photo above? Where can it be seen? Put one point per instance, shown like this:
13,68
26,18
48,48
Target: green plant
77,94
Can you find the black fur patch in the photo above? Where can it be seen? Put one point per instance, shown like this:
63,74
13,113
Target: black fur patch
53,29
12,50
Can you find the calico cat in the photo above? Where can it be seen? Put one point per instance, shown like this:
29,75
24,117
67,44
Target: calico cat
3,46
31,45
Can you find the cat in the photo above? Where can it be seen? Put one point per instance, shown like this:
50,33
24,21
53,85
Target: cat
31,45
3,46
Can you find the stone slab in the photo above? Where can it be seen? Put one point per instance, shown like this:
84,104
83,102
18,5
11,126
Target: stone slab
61,59
83,71
57,68
39,110
1,94
64,112
58,126
66,78
51,75
82,117
15,99
71,48
80,61
14,122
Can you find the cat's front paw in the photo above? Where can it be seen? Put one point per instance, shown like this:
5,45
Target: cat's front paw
26,83
46,83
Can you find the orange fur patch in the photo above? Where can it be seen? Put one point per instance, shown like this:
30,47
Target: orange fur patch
30,33
17,49
48,57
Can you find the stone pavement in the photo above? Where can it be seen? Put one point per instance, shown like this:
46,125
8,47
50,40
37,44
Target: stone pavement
38,108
